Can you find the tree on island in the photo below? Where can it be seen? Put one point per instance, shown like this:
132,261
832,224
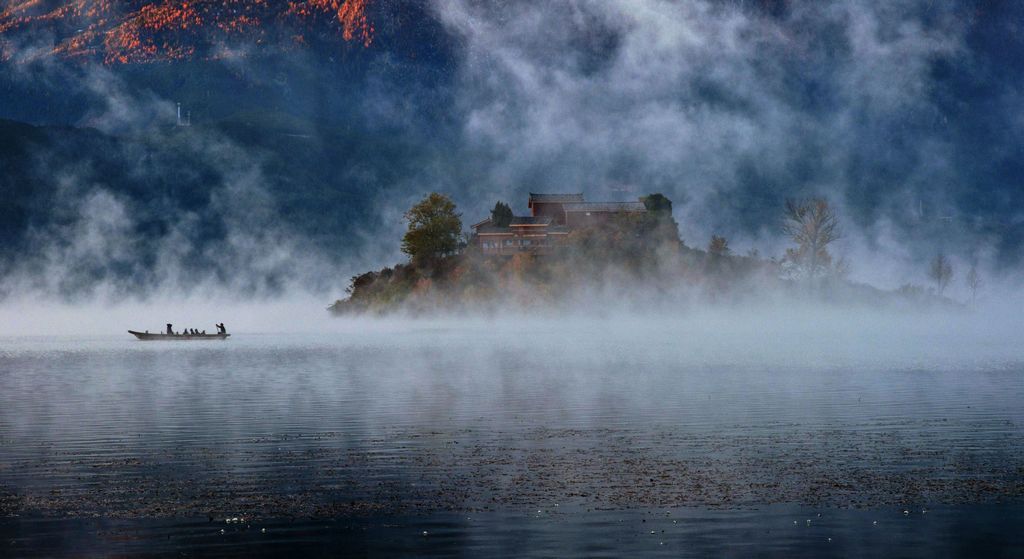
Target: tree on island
973,282
659,226
657,204
719,246
813,225
434,229
501,215
941,272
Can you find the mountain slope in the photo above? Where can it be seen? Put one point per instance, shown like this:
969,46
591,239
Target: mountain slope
150,31
252,202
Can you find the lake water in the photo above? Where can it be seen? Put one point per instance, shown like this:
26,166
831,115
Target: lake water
603,437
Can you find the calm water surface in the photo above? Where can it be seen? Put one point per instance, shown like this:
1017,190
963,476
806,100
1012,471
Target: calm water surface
541,440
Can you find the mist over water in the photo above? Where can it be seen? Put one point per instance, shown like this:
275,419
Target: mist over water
781,332
735,422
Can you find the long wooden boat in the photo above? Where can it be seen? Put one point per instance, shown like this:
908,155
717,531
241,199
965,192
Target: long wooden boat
158,336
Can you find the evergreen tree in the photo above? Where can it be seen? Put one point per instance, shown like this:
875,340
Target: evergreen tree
501,215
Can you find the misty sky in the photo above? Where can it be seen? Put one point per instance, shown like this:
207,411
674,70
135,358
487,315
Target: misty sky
904,113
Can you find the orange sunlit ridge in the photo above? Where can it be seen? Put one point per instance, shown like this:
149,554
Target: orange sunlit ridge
150,31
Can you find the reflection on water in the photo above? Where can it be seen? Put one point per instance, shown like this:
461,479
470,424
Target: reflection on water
774,531
368,436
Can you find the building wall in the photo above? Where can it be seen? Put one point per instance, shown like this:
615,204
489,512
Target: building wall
554,210
587,219
510,243
593,218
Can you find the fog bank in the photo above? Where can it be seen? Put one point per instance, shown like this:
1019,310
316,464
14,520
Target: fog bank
769,335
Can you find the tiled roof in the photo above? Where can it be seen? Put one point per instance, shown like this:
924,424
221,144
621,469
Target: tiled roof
534,197
516,220
488,228
530,220
606,207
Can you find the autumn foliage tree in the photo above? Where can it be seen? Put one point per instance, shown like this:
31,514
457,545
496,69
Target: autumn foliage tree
434,229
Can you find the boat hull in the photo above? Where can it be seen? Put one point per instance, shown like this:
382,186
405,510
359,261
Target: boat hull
151,337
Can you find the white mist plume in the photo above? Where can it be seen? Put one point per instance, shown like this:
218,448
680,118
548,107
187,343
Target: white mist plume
700,100
95,248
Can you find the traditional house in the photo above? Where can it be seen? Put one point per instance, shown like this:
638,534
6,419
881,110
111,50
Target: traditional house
588,214
552,217
552,205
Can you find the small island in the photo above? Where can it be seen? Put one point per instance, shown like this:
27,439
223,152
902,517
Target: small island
568,251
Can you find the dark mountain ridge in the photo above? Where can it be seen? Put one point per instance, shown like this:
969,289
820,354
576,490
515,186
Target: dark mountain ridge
191,190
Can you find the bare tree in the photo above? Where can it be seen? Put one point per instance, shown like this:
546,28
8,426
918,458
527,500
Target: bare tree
941,272
813,225
973,282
